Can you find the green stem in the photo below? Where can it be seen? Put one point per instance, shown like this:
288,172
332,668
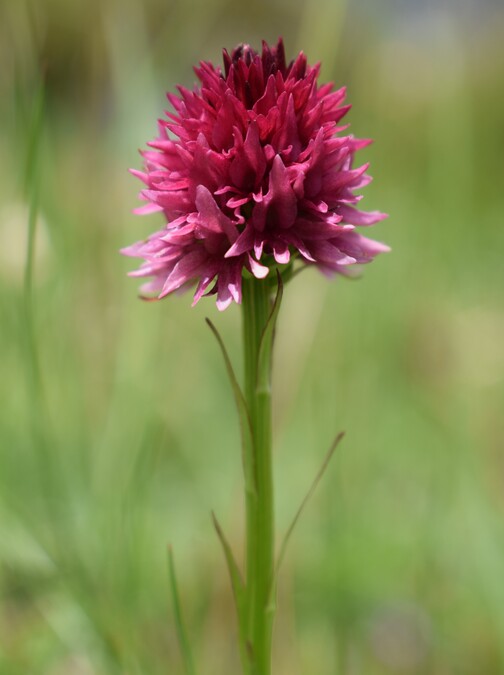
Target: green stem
259,505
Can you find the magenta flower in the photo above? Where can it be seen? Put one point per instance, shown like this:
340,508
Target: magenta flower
251,170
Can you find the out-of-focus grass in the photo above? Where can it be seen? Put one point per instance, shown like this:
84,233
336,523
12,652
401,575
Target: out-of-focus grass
130,439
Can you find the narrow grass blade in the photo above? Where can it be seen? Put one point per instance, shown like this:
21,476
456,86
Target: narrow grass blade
31,191
266,346
243,414
179,624
239,591
35,129
312,489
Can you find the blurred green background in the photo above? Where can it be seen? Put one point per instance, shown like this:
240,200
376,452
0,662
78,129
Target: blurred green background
117,428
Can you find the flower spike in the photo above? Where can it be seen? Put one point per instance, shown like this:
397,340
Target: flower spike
252,168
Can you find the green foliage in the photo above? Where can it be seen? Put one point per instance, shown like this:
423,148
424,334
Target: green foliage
183,638
313,487
247,443
130,437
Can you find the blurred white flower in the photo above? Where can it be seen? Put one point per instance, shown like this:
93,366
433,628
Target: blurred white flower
14,242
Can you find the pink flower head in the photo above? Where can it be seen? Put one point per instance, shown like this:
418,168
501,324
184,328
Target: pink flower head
250,171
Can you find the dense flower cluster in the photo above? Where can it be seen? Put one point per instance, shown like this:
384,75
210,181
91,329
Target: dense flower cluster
250,170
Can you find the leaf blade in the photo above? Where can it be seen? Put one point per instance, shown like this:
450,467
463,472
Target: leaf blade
313,487
239,593
185,646
247,440
266,344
